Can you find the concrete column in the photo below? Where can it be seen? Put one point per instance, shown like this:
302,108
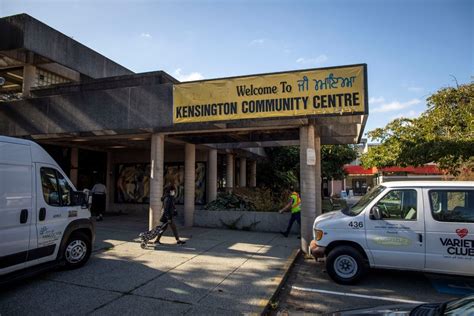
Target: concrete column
212,175
156,178
308,186
253,173
109,182
243,172
229,183
189,183
318,177
29,79
74,166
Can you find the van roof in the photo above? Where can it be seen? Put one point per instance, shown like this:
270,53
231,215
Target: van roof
13,140
396,184
38,154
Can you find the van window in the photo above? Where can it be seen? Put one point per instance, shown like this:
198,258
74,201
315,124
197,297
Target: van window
399,205
452,205
65,190
363,202
49,182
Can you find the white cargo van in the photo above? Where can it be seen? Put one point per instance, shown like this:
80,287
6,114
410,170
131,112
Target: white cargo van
43,220
420,226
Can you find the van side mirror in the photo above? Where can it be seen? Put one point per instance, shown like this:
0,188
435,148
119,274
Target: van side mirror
79,198
375,213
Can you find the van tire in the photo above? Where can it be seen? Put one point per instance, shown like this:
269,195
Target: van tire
77,251
346,265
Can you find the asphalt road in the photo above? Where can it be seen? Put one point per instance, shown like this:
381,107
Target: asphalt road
310,290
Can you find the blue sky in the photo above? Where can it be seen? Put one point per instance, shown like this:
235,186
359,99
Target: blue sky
412,48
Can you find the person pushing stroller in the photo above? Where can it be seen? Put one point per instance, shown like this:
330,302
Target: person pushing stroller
169,210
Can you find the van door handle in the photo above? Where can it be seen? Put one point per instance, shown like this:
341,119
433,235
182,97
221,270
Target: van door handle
420,237
23,216
42,214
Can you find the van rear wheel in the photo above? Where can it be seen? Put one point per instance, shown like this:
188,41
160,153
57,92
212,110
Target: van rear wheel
77,251
346,265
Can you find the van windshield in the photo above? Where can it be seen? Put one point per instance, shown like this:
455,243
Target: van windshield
363,202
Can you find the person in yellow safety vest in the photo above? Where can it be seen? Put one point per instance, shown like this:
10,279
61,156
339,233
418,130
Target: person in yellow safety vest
294,204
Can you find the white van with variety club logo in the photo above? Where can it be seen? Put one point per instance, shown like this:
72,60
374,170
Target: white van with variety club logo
43,220
421,226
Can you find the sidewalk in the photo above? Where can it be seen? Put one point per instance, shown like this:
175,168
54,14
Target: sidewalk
215,272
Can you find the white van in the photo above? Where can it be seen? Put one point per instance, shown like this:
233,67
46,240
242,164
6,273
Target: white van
43,220
422,226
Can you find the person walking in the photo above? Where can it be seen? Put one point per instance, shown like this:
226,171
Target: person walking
294,204
169,210
99,195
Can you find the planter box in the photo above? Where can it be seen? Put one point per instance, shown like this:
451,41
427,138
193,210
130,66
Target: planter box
254,221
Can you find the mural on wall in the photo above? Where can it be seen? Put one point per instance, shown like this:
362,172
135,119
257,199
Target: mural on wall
174,174
133,182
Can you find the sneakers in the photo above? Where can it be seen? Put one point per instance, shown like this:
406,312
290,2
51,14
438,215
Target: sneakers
284,234
99,218
180,242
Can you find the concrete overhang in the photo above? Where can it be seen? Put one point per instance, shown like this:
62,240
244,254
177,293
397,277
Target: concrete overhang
23,39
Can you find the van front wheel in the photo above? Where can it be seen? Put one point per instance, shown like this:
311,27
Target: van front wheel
345,265
77,251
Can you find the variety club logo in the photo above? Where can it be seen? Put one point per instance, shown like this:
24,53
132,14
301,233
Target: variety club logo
459,247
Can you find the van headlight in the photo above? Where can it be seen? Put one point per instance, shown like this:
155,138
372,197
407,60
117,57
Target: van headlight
318,234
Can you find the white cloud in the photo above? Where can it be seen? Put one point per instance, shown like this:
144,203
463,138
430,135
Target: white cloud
187,77
415,89
317,60
378,100
409,114
395,106
258,41
145,35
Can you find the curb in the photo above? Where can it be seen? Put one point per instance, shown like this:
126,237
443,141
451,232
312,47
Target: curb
265,304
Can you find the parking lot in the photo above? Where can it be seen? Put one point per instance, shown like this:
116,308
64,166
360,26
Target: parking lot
310,290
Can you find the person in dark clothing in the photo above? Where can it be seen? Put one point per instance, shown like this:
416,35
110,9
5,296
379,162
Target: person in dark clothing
169,210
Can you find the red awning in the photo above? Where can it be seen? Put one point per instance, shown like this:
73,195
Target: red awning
427,169
359,170
350,169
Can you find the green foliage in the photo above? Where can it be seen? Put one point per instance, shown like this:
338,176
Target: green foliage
281,171
249,199
334,157
443,134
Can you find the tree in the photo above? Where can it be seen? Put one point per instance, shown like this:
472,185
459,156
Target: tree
333,159
443,134
282,168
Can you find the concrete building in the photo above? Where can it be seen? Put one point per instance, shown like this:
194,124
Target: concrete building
101,121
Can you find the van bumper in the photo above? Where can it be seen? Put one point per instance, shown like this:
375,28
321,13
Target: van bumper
316,251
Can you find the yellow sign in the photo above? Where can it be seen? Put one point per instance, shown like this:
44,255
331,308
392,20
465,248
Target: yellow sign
338,90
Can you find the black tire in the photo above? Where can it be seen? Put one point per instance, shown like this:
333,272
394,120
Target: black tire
77,251
346,265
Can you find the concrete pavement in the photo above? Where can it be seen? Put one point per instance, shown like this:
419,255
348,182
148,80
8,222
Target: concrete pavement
216,272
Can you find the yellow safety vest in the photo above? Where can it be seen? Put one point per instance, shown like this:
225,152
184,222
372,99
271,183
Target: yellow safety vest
296,202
